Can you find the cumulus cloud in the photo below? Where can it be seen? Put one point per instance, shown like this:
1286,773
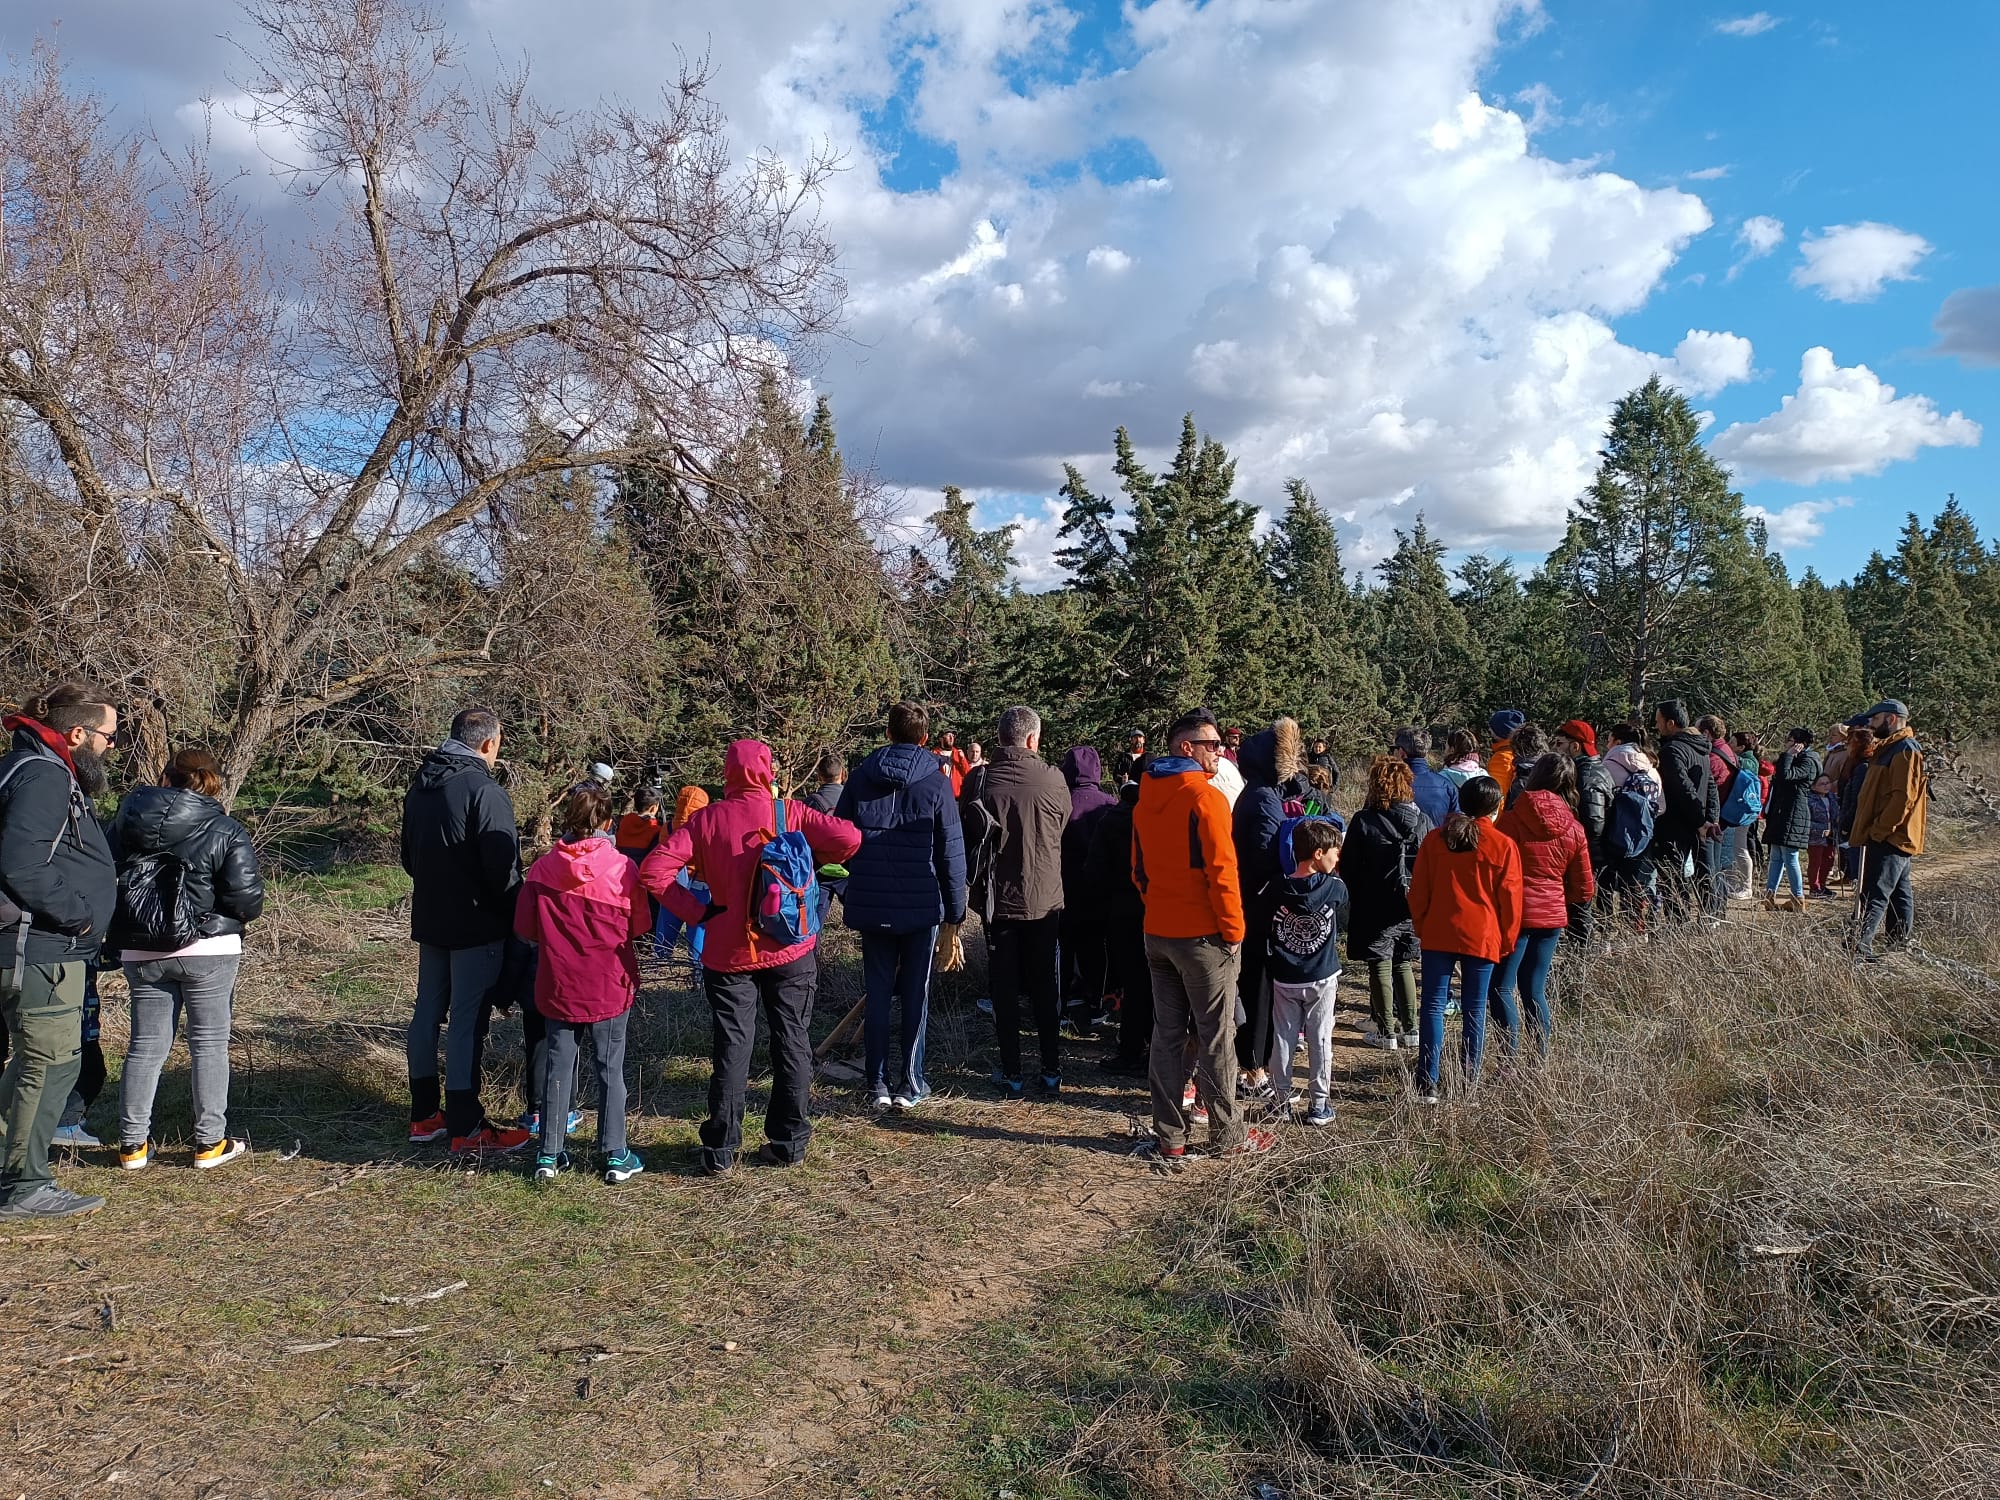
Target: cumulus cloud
1799,524
1760,235
1705,362
1842,421
1303,222
1754,24
1853,262
1968,325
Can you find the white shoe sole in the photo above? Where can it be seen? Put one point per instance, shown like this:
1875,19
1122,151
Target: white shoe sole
134,1166
223,1160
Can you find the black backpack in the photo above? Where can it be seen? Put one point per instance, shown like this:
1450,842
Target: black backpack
980,827
155,913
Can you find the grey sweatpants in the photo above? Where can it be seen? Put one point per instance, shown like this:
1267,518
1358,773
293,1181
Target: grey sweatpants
452,985
163,989
1194,995
607,1041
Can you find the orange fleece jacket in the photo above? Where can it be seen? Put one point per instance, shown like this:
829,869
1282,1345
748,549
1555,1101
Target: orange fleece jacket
1183,857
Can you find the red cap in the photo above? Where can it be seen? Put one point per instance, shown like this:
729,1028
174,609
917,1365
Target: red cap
1582,733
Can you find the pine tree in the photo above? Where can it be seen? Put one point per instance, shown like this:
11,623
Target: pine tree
1657,564
1330,686
968,624
1834,652
1423,644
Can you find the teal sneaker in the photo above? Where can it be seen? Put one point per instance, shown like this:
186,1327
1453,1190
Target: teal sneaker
547,1167
623,1167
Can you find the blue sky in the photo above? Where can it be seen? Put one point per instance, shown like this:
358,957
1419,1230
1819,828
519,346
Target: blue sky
1410,250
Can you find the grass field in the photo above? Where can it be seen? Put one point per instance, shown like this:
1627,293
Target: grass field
1741,1235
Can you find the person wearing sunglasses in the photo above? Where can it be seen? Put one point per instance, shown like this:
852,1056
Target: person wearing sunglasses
58,889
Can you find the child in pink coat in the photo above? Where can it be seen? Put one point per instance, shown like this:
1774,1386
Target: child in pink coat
583,905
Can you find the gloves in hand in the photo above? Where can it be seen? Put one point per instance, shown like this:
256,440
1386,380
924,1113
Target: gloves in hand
950,955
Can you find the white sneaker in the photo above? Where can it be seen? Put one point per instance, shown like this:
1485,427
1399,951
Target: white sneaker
1430,1099
75,1135
1410,1040
881,1103
1381,1041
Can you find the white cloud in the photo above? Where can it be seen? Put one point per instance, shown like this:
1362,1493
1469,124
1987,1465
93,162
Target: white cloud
1754,24
1708,174
1705,362
1843,421
1108,258
1760,235
1852,262
1797,525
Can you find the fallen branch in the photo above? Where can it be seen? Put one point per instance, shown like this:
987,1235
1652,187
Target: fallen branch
443,1291
358,1338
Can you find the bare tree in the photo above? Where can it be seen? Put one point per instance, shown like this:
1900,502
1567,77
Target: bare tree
611,280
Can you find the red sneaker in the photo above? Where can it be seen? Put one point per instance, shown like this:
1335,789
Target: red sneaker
1256,1140
500,1138
423,1132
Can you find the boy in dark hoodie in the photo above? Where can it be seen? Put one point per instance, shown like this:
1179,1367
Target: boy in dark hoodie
1084,967
1308,914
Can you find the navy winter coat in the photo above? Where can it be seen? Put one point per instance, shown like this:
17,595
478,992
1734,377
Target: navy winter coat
462,852
1254,823
909,872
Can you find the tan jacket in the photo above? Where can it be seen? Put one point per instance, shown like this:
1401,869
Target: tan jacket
1895,798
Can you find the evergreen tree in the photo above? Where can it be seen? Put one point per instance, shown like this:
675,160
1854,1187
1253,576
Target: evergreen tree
1329,684
1657,564
1833,651
1423,645
968,624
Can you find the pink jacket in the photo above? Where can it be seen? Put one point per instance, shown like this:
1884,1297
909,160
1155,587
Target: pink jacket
583,905
721,842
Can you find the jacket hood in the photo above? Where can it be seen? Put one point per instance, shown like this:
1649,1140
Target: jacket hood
901,765
1271,756
746,769
58,746
159,817
441,766
1163,766
1544,814
591,867
1081,767
692,799
1405,815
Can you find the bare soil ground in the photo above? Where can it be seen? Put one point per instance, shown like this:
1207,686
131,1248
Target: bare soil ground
343,1313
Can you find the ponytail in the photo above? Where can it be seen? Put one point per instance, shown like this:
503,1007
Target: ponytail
1478,800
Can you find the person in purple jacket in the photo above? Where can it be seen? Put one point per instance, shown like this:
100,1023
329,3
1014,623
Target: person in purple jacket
1081,936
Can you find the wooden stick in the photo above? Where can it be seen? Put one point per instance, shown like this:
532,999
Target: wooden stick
849,1023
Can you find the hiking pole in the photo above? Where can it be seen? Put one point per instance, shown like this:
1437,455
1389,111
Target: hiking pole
849,1024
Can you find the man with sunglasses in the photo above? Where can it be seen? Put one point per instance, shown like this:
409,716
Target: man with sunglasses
58,887
1184,864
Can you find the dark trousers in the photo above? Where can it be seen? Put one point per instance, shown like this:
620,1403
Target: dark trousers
1125,947
1886,894
1083,964
1683,896
562,1059
1022,957
896,967
1253,989
786,994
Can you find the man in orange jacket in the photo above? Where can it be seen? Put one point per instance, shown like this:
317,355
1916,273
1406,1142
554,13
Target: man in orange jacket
1184,864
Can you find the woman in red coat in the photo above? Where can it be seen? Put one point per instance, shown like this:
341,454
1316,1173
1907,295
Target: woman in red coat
1465,903
1555,874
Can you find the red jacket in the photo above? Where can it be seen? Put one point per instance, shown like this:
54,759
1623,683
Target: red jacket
582,904
1467,902
721,840
1555,859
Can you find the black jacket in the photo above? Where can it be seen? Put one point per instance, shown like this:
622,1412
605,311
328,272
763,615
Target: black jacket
223,886
909,872
1376,861
1031,801
1593,804
1689,787
826,796
1254,824
1307,917
462,852
1788,820
54,861
1108,866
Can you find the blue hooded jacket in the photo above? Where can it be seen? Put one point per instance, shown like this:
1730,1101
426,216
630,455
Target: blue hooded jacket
1434,792
909,872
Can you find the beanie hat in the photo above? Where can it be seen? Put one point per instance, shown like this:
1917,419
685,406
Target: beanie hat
601,773
1504,723
1582,733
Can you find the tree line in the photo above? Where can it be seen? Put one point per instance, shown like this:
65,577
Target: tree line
523,423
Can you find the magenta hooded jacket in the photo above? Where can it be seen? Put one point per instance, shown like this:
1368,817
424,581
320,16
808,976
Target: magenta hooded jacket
582,904
721,842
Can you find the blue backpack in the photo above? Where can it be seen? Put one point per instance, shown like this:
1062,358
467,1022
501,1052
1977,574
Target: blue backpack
1743,804
1631,831
785,905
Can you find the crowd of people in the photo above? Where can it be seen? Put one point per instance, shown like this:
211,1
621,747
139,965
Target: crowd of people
1198,906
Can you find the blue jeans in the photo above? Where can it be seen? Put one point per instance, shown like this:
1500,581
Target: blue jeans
1525,973
1785,862
667,926
1475,977
897,970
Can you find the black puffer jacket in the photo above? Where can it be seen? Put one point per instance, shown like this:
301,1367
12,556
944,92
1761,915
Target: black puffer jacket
223,886
462,852
1689,787
54,862
1788,820
1376,862
1593,804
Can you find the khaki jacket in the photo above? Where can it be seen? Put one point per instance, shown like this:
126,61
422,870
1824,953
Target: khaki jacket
1895,798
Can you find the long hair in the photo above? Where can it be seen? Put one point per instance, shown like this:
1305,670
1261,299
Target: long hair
1389,781
1555,773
